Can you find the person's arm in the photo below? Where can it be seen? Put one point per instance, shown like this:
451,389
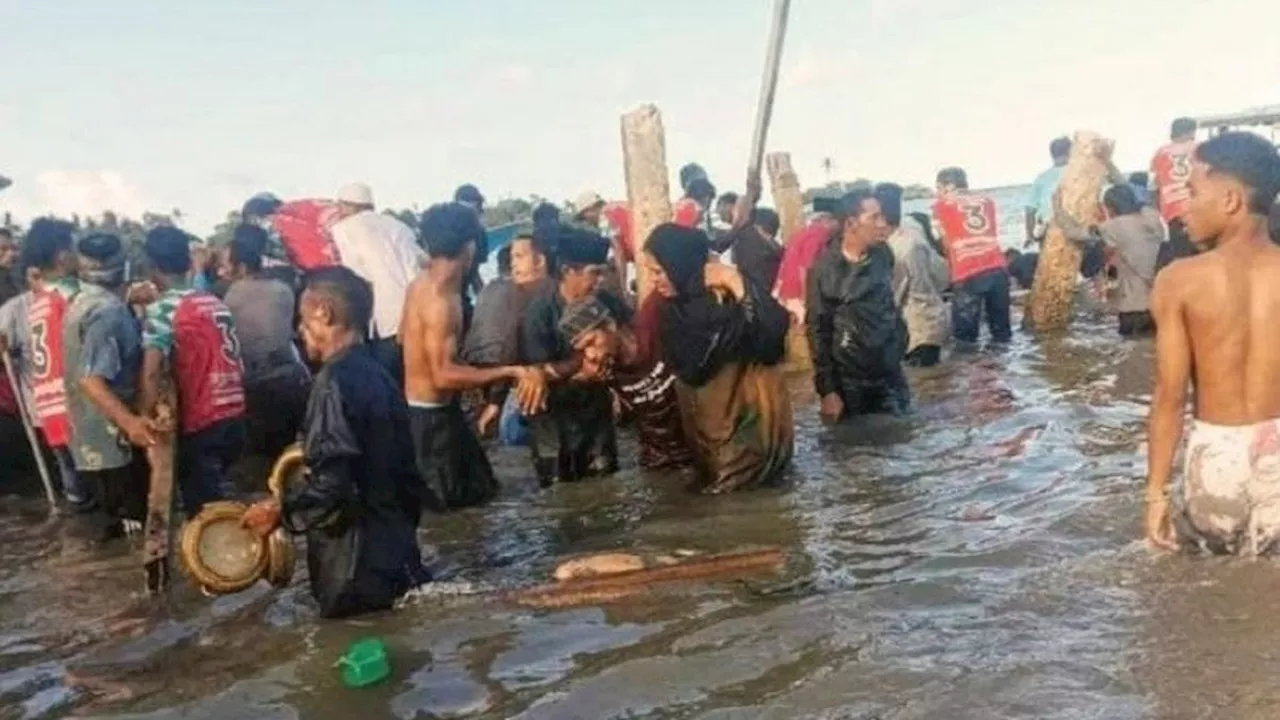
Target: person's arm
157,342
1168,401
100,359
442,349
1073,230
539,344
818,318
1032,210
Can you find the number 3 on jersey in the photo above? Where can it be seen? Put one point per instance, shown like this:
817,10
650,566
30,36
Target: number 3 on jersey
975,219
40,349
230,343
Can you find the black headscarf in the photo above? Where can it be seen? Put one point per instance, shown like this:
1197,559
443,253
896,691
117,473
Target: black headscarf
700,332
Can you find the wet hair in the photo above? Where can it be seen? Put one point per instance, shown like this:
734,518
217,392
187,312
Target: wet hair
1121,200
168,249
890,197
46,240
701,189
1139,178
1248,158
1182,126
1060,147
447,228
729,198
248,244
350,295
953,176
767,220
504,260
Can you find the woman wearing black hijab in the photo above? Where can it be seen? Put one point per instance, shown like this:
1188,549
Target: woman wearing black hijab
723,338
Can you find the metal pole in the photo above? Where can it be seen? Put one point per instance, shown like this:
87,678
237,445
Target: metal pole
769,83
31,434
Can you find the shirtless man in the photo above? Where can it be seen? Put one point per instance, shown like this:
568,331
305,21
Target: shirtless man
1216,316
449,456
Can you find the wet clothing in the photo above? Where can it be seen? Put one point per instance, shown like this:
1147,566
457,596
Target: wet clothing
757,257
1229,498
1136,240
204,464
575,437
276,382
45,318
919,278
970,233
738,420
1178,246
113,495
984,295
923,356
1022,268
100,339
857,337
449,458
647,392
195,331
1136,324
494,338
361,504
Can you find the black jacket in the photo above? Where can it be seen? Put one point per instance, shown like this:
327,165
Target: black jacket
856,333
360,506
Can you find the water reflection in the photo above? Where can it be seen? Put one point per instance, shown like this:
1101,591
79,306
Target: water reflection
977,559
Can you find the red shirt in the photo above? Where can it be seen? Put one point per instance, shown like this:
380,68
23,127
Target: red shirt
687,213
970,235
303,227
49,395
618,215
802,249
1171,167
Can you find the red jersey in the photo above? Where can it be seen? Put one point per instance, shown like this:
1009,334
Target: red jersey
206,362
49,395
688,213
801,251
618,215
1171,168
303,227
970,235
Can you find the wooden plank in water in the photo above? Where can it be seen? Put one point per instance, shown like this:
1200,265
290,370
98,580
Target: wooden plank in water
159,531
644,155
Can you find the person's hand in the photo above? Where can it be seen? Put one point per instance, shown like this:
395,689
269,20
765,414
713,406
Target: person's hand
531,390
141,293
719,275
140,431
490,413
262,517
832,407
1157,526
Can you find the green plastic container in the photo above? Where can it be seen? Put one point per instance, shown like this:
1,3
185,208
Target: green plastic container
365,663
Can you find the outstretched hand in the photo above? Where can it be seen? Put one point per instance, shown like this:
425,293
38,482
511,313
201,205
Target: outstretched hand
531,390
263,517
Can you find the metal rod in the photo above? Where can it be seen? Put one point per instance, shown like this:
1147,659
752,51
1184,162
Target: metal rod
768,84
31,434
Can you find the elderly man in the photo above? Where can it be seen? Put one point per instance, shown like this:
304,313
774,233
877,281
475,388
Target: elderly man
385,252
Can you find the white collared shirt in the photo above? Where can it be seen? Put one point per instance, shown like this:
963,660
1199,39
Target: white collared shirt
385,252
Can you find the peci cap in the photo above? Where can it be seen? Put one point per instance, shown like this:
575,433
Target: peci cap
586,201
355,194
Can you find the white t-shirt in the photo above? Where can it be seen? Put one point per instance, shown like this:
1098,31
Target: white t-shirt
384,251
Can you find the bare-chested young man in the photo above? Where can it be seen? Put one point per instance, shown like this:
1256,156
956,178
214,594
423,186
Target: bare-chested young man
449,456
1218,328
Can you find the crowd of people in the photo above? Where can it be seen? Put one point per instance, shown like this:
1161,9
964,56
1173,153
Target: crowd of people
405,363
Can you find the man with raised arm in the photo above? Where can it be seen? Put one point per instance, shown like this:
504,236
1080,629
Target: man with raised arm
1216,318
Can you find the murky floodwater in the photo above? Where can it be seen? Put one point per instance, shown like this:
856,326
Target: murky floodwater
977,560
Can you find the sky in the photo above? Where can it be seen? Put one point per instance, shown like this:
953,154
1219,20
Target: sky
153,104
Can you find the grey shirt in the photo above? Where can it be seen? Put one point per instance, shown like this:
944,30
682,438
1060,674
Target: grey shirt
100,338
17,331
1136,239
919,277
262,309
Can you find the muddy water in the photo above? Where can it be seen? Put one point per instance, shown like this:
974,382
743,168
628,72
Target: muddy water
977,560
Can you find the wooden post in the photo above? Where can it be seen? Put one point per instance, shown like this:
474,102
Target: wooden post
644,155
768,83
1054,288
158,534
788,199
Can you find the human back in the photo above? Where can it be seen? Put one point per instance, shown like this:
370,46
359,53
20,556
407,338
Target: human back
432,316
1231,301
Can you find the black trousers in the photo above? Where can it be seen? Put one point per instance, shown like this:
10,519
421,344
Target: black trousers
1137,324
450,459
923,356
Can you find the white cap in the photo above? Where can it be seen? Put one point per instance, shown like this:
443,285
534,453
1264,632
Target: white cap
588,199
355,194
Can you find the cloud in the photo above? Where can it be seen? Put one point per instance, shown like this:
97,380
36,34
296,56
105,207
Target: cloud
72,192
810,68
